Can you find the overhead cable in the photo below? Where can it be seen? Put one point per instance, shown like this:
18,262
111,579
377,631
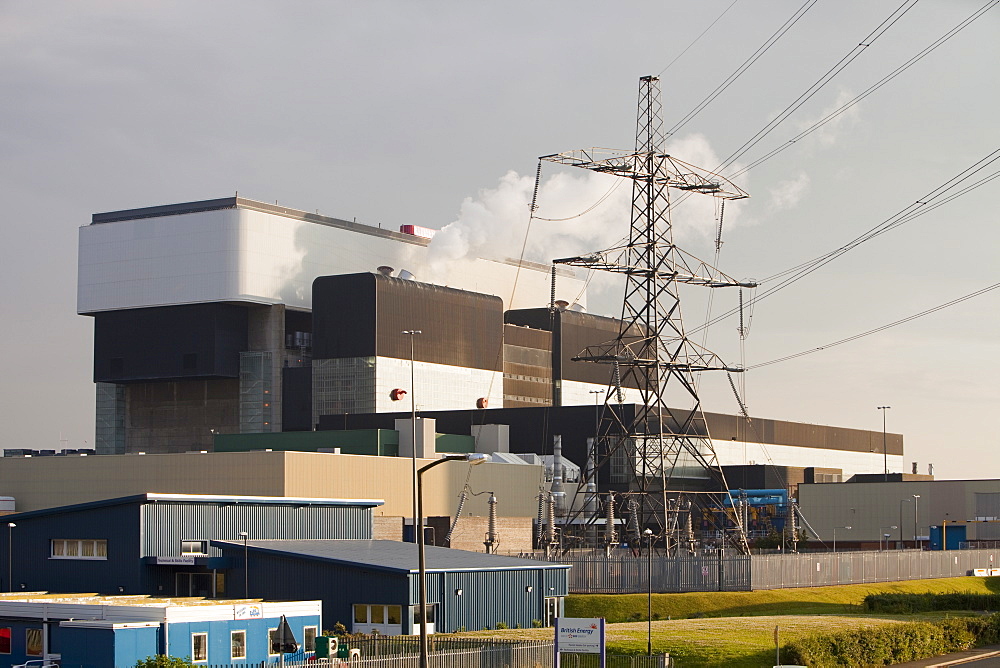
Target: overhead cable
820,83
881,82
901,321
799,13
939,196
696,39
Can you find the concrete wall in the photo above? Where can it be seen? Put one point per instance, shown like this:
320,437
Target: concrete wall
46,482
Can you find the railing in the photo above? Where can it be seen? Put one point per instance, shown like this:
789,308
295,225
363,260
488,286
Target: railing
469,653
730,571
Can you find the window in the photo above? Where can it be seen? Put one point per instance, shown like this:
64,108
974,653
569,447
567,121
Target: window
238,644
194,547
395,614
5,640
272,640
360,613
199,647
78,549
309,639
378,614
33,642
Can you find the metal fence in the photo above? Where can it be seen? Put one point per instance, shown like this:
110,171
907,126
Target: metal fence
730,571
470,653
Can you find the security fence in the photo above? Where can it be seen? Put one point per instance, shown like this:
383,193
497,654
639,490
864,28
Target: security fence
718,570
464,653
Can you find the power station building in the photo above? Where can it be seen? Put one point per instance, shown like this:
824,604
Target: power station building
235,317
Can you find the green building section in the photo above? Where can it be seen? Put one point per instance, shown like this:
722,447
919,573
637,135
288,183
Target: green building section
383,442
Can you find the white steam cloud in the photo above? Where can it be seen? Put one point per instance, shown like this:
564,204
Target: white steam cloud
578,212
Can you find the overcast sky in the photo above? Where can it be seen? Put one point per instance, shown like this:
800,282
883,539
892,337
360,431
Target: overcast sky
434,113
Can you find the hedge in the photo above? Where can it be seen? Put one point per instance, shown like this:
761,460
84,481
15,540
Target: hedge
893,643
910,603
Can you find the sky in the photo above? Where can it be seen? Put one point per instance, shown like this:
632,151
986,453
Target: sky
435,113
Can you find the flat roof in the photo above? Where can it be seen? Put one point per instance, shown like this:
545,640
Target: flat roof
200,498
238,202
388,555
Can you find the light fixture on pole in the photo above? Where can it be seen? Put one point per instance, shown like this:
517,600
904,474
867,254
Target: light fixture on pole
597,408
835,536
901,502
916,507
413,425
473,458
885,453
10,556
246,563
648,533
886,536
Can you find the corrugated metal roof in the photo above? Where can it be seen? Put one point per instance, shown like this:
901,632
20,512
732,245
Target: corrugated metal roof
200,498
388,555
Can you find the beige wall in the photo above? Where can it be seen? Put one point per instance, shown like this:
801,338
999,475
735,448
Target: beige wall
870,507
45,482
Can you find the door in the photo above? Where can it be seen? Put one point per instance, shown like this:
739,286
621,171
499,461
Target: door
195,584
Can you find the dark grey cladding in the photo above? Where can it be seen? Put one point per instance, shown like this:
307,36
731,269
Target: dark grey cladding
364,315
193,341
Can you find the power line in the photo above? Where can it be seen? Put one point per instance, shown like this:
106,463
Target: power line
820,83
937,197
901,321
883,81
764,48
695,40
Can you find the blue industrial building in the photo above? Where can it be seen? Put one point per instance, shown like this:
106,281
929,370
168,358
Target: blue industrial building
114,632
293,549
373,585
160,544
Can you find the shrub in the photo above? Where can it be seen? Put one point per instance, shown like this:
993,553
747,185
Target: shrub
893,643
502,625
911,603
537,624
162,661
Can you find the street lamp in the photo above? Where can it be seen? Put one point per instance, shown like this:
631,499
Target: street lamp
246,570
901,502
10,556
916,504
648,533
835,537
885,453
473,458
886,536
413,424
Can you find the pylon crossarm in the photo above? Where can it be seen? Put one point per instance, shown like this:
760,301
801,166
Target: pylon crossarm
652,167
681,267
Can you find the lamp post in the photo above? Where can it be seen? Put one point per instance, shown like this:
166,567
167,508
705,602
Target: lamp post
473,458
246,563
916,507
10,556
885,453
835,537
597,417
901,502
886,536
413,424
648,533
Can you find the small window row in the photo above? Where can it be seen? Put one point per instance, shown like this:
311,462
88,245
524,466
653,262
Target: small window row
238,643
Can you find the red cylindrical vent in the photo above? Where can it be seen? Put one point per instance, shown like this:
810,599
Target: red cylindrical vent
397,394
482,402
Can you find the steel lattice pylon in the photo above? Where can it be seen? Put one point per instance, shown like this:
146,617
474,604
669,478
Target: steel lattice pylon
659,447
